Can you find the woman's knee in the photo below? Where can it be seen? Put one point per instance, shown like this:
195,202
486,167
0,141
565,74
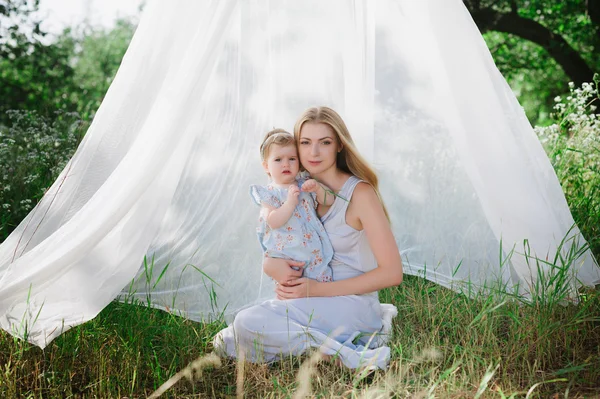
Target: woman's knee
239,323
246,321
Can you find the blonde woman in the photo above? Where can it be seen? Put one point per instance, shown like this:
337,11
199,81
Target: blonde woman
344,317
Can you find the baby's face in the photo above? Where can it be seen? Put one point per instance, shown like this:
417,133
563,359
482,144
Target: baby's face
282,163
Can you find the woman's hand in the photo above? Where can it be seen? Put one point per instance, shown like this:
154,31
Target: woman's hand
282,270
298,288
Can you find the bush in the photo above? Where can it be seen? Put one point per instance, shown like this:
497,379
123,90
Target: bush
573,146
33,151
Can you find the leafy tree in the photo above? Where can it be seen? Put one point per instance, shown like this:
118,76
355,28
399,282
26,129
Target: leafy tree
569,30
33,75
71,73
17,17
38,78
540,45
96,62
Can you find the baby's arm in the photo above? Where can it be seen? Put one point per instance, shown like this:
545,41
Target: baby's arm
277,217
323,193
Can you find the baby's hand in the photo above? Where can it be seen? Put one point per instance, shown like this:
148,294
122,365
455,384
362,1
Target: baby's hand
310,186
293,194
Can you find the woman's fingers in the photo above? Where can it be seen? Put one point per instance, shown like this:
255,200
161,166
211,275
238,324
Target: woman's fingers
292,281
296,281
285,291
282,292
292,289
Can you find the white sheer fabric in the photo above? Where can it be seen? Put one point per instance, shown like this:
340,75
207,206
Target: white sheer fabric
165,167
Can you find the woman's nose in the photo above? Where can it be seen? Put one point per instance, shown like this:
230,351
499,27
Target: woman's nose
314,150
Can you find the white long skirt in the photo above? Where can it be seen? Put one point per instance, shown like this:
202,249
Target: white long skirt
354,327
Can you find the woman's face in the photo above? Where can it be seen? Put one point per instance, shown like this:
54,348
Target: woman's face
318,147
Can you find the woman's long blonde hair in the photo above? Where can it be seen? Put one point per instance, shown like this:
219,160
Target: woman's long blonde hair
348,159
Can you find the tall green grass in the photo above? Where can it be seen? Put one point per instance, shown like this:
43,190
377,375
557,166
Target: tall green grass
445,344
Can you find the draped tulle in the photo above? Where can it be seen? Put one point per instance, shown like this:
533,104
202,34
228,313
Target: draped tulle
164,170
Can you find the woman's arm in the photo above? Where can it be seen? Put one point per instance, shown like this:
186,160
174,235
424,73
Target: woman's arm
368,213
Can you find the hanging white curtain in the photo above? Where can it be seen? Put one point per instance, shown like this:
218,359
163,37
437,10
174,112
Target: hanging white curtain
164,170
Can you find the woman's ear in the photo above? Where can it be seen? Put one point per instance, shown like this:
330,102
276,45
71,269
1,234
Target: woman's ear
340,145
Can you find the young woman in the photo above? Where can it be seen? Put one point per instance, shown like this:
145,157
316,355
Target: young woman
342,317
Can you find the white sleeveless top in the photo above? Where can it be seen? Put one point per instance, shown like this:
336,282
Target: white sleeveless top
352,253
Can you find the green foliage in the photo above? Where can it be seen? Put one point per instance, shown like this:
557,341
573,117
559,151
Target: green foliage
71,73
125,350
533,75
531,71
33,151
570,19
573,146
17,17
96,62
37,77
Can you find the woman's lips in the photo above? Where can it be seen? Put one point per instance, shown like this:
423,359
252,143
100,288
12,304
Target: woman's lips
314,163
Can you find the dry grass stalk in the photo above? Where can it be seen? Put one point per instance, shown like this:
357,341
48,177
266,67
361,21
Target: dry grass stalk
194,367
306,371
239,380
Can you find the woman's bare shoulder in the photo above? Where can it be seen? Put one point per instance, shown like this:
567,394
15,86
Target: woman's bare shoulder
364,193
364,204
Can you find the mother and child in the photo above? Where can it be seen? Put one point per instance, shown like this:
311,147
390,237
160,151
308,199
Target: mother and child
328,245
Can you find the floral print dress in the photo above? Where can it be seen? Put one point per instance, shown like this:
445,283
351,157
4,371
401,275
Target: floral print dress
301,238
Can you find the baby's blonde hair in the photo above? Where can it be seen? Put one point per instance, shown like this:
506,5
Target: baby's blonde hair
276,136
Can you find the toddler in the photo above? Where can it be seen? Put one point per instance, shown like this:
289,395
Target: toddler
289,227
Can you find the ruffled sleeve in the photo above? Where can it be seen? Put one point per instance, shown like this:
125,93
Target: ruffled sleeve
262,195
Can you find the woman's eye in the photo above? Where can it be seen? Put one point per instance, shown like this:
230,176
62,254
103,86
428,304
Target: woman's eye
327,142
303,142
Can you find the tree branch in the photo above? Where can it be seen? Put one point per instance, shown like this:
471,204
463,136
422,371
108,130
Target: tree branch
566,56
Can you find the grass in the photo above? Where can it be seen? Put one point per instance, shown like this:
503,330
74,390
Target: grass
445,345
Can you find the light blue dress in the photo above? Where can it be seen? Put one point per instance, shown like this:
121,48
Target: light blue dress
355,327
301,238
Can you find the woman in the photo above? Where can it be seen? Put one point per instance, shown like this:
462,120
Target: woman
332,316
